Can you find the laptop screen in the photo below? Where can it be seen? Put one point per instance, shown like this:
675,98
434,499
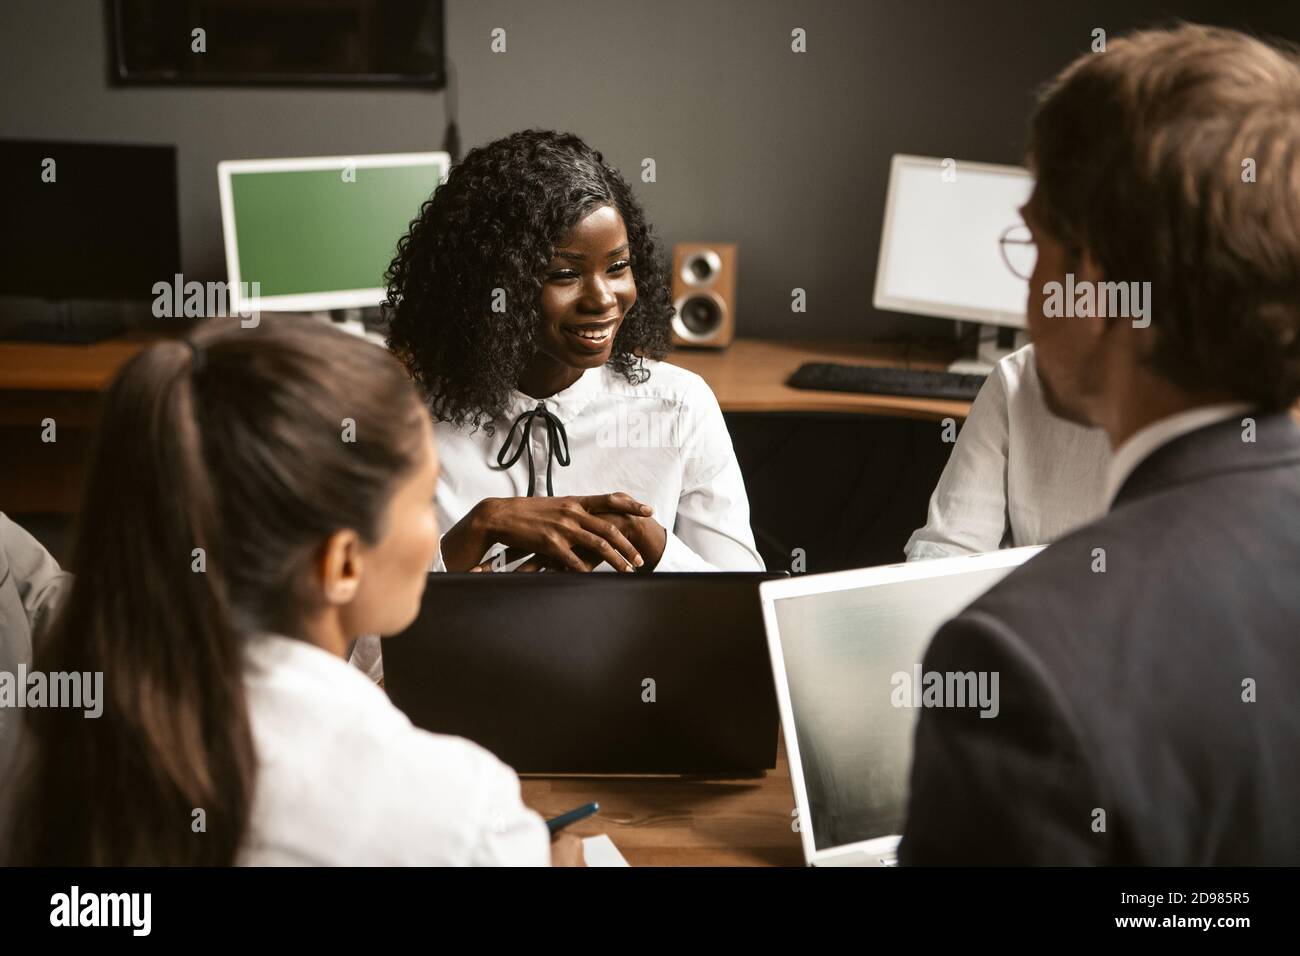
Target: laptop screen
593,673
843,650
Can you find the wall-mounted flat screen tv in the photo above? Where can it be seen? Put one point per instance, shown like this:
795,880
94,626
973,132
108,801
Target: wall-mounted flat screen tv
277,42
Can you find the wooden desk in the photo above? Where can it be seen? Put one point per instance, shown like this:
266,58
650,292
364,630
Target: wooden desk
747,377
25,366
750,377
66,382
678,821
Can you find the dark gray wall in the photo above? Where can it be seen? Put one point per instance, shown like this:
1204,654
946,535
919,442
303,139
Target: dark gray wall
785,153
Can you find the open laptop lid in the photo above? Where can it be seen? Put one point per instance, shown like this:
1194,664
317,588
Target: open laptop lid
593,673
838,643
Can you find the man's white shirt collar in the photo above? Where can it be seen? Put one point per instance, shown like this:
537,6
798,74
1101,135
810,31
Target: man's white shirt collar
1142,443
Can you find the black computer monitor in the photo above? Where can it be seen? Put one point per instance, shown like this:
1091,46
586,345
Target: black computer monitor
88,221
338,43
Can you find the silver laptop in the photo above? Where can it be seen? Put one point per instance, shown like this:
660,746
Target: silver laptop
846,649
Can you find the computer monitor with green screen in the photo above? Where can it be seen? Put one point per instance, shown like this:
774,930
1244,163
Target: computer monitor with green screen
318,233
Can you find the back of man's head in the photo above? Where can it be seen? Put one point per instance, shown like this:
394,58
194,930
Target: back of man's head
1174,157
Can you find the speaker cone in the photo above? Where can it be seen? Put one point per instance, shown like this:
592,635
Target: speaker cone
701,314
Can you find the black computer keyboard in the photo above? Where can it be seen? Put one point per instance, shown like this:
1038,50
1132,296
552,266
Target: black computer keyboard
877,380
29,319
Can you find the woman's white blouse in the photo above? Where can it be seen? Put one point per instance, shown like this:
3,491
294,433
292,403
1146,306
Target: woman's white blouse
1019,474
343,778
664,442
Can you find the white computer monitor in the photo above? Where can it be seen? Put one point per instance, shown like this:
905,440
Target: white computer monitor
838,642
318,233
939,253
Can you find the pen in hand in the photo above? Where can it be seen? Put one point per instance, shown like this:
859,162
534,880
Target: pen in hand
556,824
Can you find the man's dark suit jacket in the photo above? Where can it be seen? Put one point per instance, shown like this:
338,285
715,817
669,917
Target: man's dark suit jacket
1163,692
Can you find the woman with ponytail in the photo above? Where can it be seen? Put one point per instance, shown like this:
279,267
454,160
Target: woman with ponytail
258,499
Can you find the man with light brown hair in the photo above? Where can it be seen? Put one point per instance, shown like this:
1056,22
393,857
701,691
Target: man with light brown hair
1149,663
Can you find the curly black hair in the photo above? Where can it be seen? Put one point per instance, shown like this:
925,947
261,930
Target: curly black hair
493,225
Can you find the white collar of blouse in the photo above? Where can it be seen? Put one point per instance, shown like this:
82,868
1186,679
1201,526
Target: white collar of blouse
565,404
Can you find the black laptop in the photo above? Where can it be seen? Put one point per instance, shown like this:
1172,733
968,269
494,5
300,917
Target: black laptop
593,673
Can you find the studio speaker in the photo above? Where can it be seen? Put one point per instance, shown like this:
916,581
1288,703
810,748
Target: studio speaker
704,293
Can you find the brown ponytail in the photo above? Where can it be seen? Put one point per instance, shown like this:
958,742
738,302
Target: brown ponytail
219,472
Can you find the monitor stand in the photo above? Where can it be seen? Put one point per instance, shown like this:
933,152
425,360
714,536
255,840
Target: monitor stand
352,321
994,343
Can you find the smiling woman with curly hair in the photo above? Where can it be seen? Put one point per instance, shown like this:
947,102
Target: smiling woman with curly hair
464,293
532,304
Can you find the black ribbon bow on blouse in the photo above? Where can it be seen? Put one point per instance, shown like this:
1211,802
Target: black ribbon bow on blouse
557,444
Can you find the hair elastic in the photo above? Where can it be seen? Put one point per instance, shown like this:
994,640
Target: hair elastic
198,356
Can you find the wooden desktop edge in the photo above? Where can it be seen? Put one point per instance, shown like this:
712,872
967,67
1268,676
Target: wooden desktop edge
747,377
